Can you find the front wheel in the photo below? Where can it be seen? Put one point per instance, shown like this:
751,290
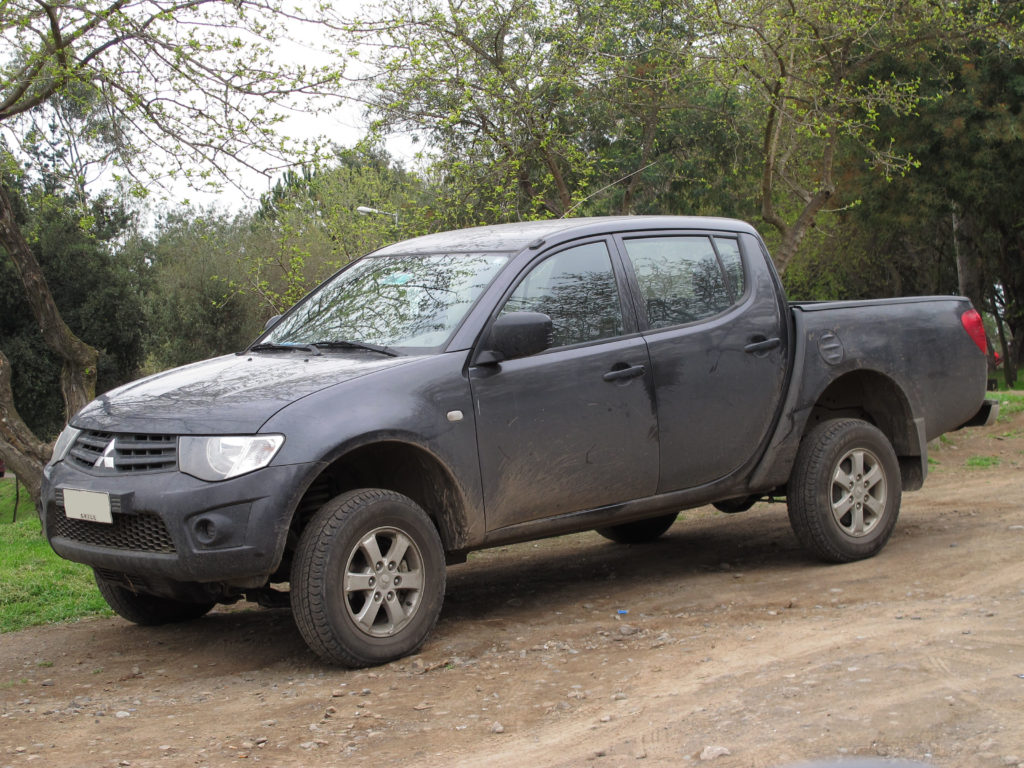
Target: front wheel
368,578
844,494
149,610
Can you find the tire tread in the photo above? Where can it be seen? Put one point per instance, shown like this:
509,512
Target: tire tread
310,567
812,467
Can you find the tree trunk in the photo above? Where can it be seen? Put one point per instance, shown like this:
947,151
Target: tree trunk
792,234
970,281
26,454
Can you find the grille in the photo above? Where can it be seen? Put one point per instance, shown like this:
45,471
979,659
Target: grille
144,532
109,453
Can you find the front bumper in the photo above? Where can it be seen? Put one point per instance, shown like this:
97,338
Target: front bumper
171,526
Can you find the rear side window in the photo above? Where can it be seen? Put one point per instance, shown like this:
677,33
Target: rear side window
576,288
729,253
683,279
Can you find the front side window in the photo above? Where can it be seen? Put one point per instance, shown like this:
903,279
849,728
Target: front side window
681,278
392,301
576,288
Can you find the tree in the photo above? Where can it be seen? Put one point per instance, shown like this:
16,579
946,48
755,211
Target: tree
308,225
969,141
182,87
191,310
539,108
94,283
811,64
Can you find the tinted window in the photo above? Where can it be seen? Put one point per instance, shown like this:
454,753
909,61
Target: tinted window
576,288
680,279
729,253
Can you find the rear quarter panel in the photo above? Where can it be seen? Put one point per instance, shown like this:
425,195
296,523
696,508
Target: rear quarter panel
918,344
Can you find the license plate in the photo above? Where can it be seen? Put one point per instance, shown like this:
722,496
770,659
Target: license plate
93,506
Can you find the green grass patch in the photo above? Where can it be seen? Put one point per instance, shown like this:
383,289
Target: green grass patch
39,587
982,462
1009,404
8,493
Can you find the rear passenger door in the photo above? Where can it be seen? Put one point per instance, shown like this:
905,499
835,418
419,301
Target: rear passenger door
715,335
571,428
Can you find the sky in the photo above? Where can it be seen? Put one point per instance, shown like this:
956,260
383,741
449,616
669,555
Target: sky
345,126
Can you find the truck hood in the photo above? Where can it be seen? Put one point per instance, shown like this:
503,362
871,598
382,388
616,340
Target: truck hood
234,394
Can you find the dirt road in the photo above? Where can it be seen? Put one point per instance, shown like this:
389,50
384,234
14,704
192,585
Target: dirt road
578,652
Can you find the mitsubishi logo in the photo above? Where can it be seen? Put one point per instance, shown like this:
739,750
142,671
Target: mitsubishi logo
106,459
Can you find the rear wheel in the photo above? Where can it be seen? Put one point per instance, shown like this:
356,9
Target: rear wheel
368,578
844,494
149,610
639,531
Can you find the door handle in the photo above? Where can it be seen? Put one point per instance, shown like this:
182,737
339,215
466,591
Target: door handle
628,372
762,345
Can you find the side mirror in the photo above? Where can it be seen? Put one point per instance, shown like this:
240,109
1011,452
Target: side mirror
271,322
517,334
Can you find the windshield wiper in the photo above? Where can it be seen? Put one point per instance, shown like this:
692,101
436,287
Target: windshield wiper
269,345
345,343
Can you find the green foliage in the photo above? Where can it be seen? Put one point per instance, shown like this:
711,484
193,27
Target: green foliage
95,283
535,109
307,227
191,310
953,225
874,138
39,587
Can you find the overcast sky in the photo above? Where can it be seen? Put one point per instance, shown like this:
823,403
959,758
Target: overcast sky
345,126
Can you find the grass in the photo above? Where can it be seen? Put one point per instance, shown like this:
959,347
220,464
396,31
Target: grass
7,497
38,586
982,462
1009,404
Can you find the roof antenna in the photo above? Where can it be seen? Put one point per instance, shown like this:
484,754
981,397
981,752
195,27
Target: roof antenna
609,184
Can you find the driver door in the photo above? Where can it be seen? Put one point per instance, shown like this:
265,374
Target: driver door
574,427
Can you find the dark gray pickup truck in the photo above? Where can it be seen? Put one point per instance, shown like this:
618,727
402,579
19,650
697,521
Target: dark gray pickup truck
491,385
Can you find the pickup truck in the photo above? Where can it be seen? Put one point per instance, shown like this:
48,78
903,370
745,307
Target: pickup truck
474,388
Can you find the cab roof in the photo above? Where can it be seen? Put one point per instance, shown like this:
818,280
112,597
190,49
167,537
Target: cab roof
516,236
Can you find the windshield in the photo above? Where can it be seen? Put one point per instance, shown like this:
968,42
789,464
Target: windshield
391,301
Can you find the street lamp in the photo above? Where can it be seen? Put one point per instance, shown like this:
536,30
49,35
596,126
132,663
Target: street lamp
367,211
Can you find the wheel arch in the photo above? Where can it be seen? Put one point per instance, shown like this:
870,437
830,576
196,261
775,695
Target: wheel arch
878,400
391,464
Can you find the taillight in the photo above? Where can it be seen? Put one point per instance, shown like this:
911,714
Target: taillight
975,328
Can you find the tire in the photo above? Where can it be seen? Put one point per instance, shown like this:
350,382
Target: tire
640,531
149,610
844,493
368,578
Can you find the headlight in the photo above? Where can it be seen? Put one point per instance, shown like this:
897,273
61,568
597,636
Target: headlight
64,442
218,458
